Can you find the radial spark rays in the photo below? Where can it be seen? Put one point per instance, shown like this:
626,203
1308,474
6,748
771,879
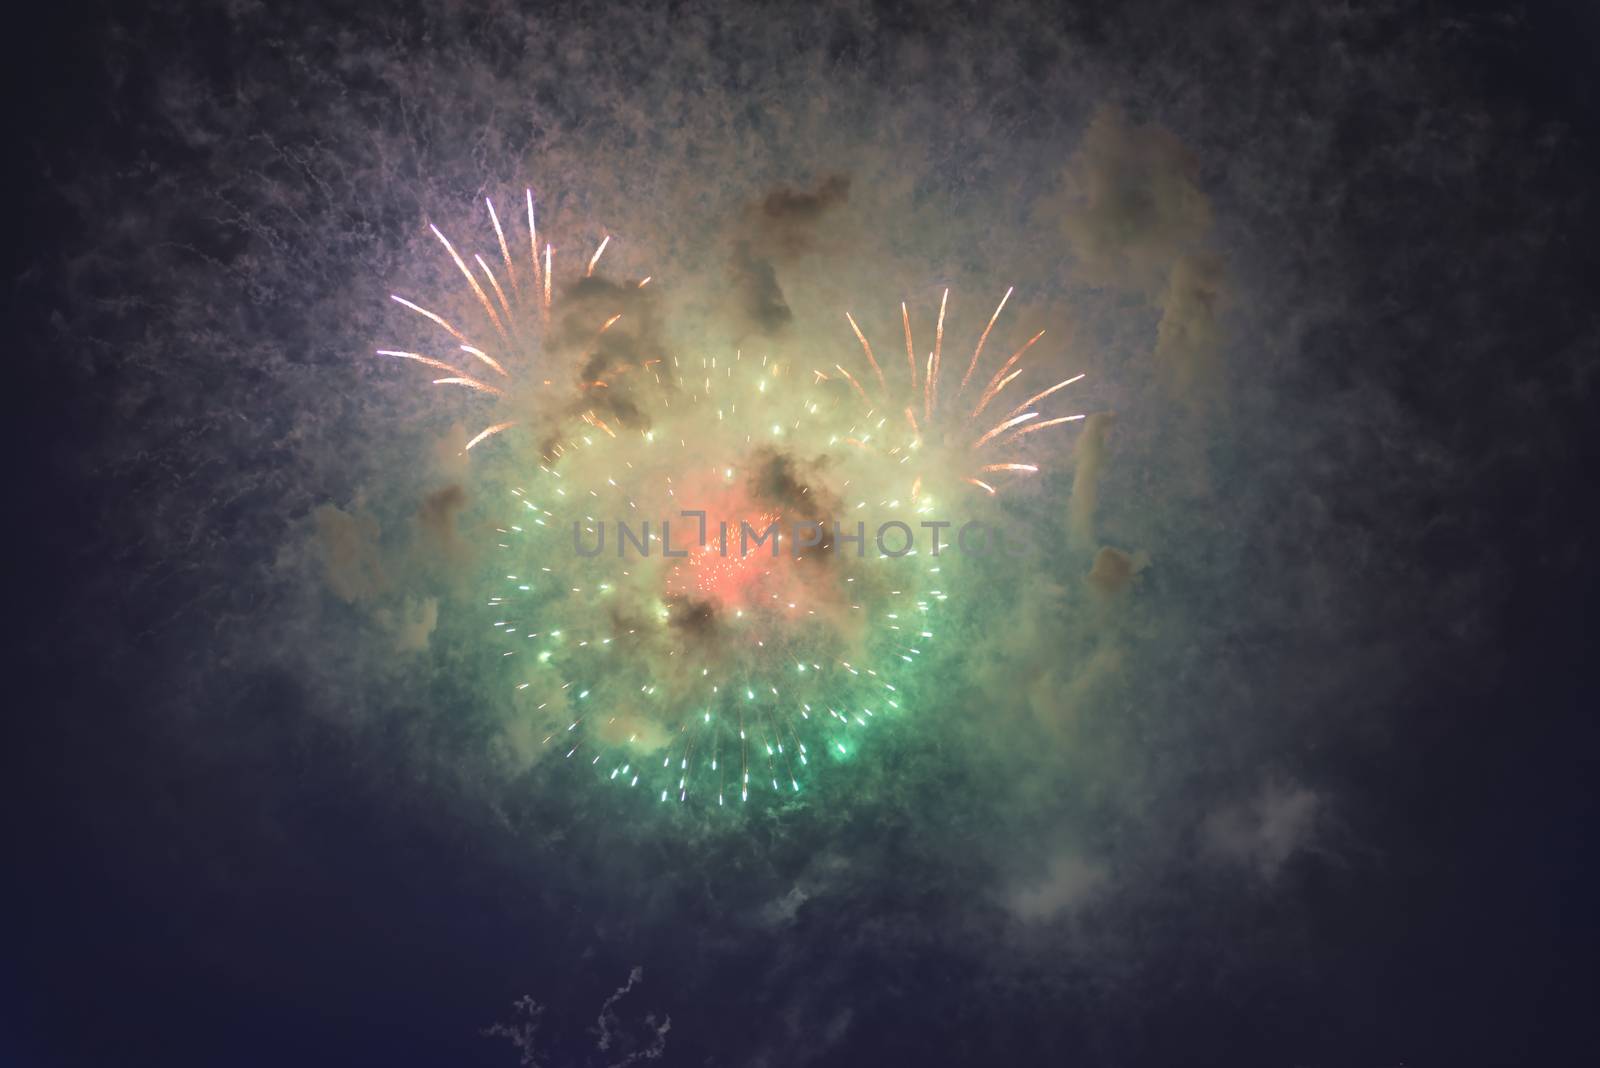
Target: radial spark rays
496,351
913,414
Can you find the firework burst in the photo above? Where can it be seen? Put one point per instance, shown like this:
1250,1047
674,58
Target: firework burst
497,331
645,638
683,654
940,427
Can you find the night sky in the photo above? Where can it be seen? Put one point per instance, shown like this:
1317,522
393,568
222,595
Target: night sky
1280,752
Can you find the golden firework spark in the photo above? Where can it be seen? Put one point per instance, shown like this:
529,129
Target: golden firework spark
953,439
515,321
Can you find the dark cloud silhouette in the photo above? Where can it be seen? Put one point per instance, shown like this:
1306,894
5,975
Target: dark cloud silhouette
779,229
759,297
780,478
787,219
438,514
607,361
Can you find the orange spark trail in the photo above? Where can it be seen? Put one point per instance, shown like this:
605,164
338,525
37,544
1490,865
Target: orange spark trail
911,417
596,257
470,383
548,252
931,399
483,298
1041,395
1046,423
982,485
458,335
498,292
595,420
995,385
533,241
1004,382
429,360
486,358
488,432
852,380
505,252
911,359
868,350
1001,428
981,339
